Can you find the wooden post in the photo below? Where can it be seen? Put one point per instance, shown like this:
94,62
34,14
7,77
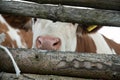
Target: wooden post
11,76
60,13
98,66
101,4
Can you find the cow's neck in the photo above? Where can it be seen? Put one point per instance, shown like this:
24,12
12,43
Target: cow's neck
85,44
95,43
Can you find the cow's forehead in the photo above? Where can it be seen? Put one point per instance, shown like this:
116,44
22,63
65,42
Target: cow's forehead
48,25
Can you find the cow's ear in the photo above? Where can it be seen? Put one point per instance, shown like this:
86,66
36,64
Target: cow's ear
28,25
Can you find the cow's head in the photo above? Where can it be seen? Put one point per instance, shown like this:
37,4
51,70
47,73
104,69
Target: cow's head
49,35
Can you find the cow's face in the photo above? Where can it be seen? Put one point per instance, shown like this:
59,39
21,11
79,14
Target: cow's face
49,35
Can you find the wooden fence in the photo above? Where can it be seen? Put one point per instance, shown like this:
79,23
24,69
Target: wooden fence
92,66
61,13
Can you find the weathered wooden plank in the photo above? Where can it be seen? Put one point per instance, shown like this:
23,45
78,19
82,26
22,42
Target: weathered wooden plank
63,63
11,76
60,13
101,4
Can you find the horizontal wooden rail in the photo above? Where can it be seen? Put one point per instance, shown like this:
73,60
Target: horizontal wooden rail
101,4
11,76
98,66
60,13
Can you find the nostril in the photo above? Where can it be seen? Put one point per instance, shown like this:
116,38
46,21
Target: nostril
56,43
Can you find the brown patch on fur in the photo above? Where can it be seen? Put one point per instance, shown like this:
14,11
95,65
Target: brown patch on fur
113,45
26,37
17,21
85,44
9,42
3,27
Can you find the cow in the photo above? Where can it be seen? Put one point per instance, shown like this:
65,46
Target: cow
63,36
18,34
17,30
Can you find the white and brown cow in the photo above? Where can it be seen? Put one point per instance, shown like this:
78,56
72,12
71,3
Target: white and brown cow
49,35
16,30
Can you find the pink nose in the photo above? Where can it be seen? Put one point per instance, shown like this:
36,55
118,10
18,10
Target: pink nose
48,43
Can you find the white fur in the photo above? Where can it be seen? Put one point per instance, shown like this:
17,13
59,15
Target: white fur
101,44
65,31
2,37
13,33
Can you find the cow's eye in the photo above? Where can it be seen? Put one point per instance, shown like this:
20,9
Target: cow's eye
35,19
